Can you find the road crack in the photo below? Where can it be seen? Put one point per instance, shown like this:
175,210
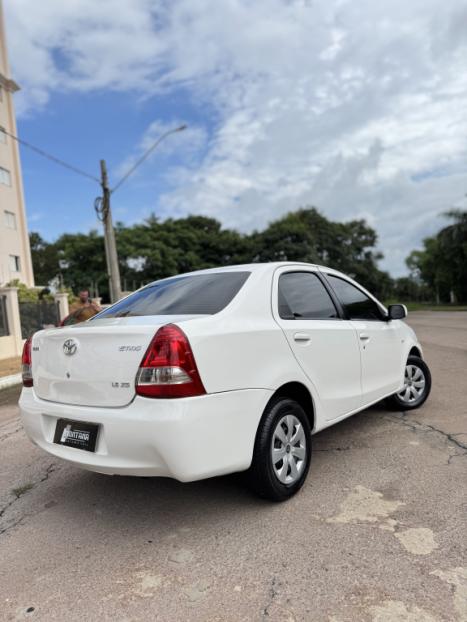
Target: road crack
273,593
8,434
418,426
20,492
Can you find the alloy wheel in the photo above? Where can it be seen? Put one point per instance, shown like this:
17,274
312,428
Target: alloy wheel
288,449
414,384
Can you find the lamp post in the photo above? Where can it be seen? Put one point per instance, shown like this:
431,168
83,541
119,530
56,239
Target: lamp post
104,213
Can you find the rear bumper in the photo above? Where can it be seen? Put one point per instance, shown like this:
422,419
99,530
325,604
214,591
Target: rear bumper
187,439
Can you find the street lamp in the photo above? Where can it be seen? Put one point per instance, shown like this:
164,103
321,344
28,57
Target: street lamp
104,213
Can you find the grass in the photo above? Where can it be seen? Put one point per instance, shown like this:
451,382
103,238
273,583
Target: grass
21,490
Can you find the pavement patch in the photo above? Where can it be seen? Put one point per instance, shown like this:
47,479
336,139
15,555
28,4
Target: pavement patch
397,611
457,577
148,584
181,556
365,505
197,591
418,540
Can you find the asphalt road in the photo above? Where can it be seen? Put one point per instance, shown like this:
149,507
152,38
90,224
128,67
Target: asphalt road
378,534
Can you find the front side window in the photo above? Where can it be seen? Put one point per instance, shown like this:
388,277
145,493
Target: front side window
303,296
200,294
357,305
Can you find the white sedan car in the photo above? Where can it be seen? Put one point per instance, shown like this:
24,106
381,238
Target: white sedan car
217,371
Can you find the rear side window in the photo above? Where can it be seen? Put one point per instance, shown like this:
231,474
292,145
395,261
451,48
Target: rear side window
303,296
202,294
357,304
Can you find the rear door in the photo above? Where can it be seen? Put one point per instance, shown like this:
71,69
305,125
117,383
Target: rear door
325,345
379,340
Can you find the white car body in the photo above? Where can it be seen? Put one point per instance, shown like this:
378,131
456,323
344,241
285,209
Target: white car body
245,354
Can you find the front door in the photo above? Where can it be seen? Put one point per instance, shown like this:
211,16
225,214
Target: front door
379,339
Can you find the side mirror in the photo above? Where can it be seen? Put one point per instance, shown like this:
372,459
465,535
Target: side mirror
397,312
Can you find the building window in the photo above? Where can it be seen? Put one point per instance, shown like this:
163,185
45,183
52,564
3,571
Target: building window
3,318
5,177
10,220
15,263
2,135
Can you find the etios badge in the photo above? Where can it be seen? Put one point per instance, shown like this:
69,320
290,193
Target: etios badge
69,347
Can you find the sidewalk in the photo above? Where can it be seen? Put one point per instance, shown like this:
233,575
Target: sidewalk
10,372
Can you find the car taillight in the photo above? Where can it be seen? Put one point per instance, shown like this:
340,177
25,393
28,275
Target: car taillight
168,368
26,363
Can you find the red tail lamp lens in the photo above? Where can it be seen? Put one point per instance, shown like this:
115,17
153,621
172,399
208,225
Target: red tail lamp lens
168,368
26,364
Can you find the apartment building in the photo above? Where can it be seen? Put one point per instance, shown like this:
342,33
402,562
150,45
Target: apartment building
15,253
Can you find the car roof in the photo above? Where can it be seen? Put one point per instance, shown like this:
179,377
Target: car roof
257,267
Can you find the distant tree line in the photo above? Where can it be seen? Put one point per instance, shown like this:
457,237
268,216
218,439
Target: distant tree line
441,267
156,249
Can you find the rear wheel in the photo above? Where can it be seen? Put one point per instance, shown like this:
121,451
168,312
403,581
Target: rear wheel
417,385
282,451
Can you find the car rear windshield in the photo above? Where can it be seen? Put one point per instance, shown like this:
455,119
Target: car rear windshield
202,294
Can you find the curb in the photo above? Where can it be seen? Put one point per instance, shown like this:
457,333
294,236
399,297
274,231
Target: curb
9,381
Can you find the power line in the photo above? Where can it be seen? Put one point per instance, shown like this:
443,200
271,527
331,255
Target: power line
51,157
145,155
102,203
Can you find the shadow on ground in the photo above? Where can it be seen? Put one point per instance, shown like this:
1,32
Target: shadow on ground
119,503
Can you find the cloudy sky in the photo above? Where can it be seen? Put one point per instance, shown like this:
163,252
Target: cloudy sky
358,108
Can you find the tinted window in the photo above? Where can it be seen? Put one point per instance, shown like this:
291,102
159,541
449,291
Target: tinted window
202,294
357,304
302,295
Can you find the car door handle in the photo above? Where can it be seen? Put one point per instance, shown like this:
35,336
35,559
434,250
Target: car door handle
301,337
364,337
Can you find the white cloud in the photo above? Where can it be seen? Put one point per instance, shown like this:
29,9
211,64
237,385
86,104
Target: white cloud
356,107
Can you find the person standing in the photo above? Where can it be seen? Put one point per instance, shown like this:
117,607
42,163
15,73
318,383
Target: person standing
81,310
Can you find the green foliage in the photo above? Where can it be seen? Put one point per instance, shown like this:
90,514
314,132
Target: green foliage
30,294
25,293
44,258
406,289
176,246
81,262
306,235
442,264
153,249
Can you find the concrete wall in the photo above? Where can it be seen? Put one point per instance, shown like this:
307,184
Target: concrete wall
11,345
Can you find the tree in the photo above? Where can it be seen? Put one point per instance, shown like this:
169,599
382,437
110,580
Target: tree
306,235
442,264
157,249
44,259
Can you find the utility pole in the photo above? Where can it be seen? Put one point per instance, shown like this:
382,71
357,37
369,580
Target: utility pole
104,213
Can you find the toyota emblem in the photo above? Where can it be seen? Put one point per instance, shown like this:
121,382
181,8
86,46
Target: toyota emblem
69,347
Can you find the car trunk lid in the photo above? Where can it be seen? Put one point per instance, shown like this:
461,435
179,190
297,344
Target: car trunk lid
94,363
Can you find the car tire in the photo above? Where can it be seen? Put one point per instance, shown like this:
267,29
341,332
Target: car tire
282,451
417,386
